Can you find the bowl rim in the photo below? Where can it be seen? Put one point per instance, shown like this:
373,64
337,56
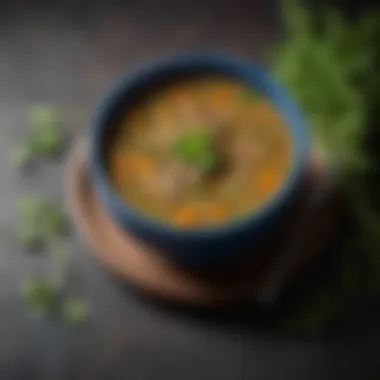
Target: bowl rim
168,65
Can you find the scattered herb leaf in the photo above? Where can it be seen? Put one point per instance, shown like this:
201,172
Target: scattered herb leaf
39,221
28,207
60,260
53,221
75,310
41,296
22,156
30,236
29,232
47,134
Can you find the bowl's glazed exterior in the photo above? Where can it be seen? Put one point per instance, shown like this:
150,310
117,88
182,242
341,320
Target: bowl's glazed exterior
211,245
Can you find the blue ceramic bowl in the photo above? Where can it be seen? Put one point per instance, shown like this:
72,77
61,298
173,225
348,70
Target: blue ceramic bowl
210,245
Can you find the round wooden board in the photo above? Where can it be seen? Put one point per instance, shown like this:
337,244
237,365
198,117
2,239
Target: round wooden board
149,271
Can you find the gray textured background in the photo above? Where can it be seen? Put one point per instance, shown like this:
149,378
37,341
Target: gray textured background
69,52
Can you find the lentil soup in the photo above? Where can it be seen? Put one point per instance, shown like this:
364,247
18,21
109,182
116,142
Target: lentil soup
200,151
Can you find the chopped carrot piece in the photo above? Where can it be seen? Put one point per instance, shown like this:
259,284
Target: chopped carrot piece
268,181
143,165
217,211
133,164
224,97
188,215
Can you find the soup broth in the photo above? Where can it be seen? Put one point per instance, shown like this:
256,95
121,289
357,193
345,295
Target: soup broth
200,151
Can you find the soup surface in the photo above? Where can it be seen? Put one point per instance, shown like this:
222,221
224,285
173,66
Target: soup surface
200,151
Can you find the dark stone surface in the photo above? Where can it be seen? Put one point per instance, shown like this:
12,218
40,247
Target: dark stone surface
69,52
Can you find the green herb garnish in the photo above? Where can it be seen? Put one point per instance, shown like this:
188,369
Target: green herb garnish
22,155
47,134
39,221
45,138
60,260
29,236
326,61
42,224
332,66
75,310
41,296
196,148
53,221
29,230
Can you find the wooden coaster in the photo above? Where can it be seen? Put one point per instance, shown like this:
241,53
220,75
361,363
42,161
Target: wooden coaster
292,248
